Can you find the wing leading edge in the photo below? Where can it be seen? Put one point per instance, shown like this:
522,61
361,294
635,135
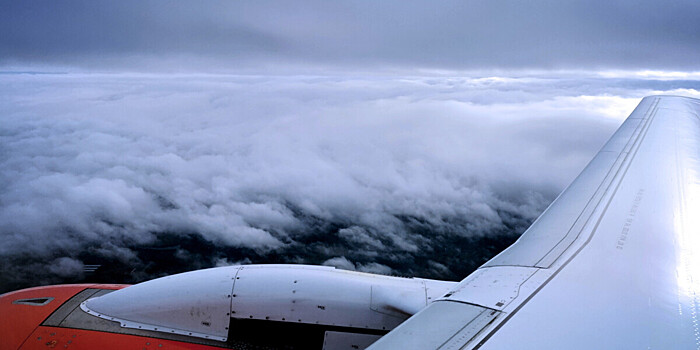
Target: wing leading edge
614,261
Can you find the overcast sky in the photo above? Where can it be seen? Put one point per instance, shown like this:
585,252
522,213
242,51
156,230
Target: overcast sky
409,138
365,35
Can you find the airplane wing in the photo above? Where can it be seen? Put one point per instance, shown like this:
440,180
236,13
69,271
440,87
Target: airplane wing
614,262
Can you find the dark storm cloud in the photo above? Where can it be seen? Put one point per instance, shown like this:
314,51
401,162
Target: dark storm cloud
146,175
351,34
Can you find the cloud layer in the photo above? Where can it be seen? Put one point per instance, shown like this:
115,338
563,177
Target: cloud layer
146,175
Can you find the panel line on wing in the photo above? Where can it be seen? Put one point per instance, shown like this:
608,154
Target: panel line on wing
624,159
588,240
635,287
561,223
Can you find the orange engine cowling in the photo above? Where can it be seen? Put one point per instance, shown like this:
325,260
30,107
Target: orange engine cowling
23,311
233,307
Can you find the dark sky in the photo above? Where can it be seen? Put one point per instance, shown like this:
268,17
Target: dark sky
368,35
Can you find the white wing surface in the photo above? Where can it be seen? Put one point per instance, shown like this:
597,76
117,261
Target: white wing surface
614,262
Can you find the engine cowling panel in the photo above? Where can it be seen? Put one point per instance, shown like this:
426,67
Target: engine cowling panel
252,303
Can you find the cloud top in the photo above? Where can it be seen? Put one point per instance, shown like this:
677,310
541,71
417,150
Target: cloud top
146,175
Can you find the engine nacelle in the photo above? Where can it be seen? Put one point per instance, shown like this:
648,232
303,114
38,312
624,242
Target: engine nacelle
263,304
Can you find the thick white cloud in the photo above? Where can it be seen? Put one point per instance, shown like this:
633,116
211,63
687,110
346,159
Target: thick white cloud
108,164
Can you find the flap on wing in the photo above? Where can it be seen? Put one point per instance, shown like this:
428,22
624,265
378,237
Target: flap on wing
441,325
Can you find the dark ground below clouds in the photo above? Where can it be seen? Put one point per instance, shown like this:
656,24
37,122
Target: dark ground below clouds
442,254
